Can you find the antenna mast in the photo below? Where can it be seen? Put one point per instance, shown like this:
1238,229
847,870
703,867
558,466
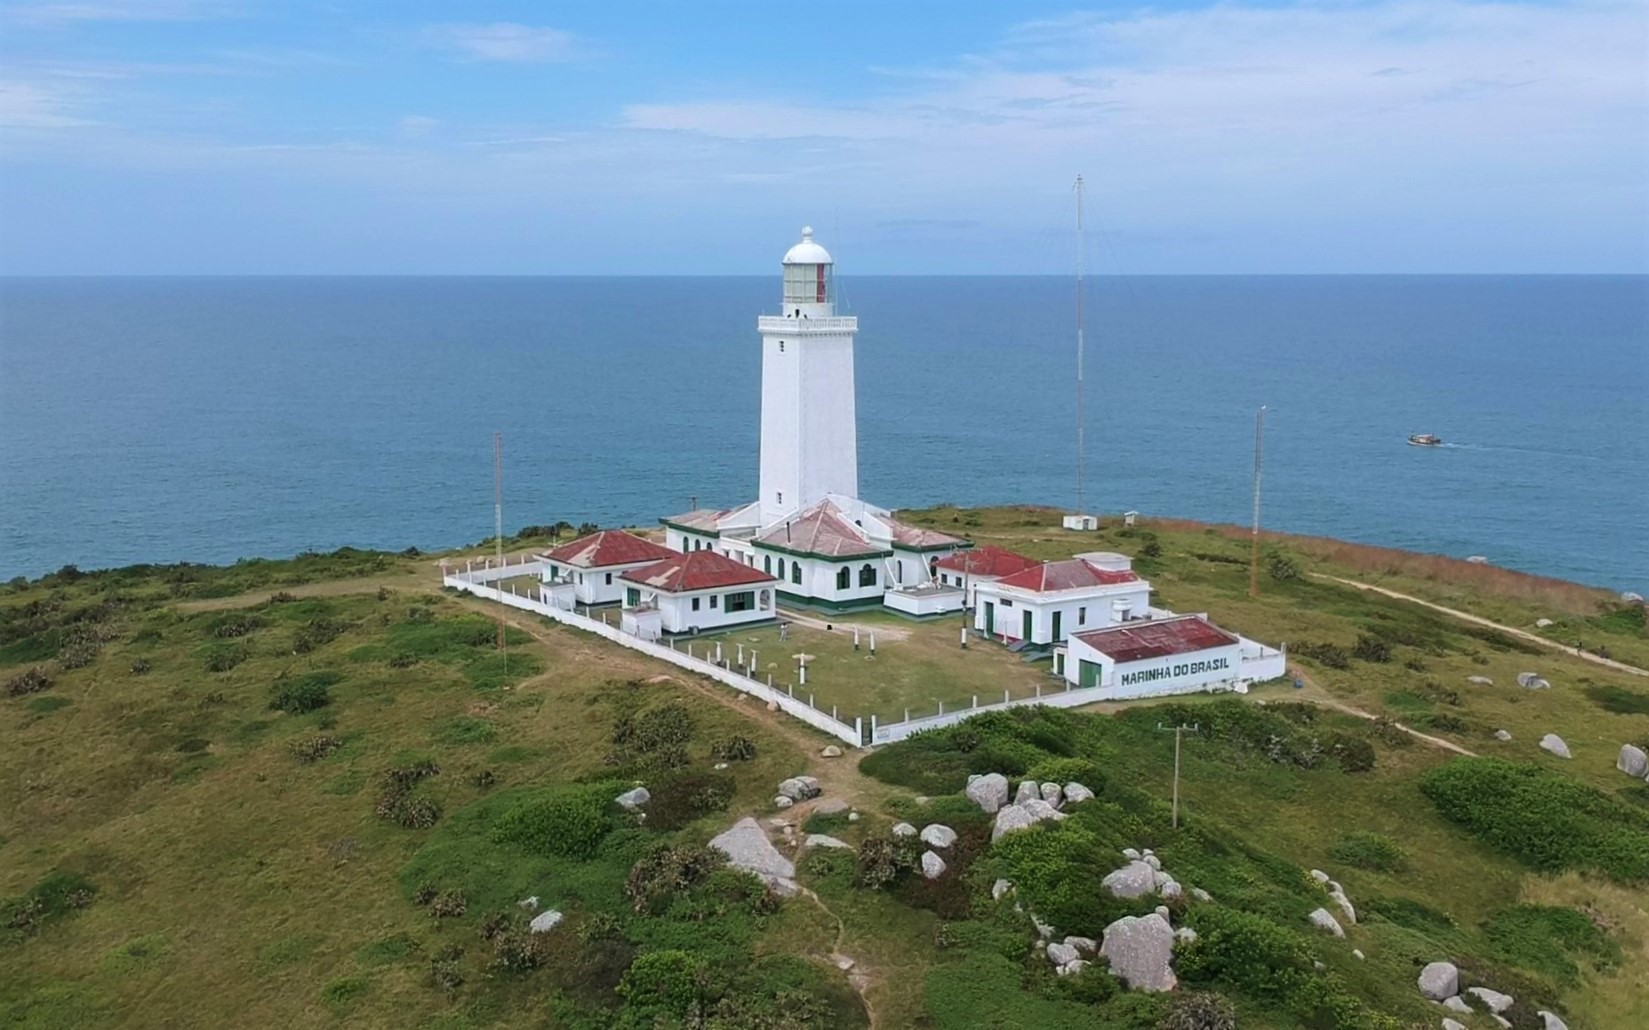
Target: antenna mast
1254,555
1080,421
498,520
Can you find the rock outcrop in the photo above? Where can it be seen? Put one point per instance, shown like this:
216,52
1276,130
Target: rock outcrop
824,840
1028,789
799,788
1493,1000
1439,980
1554,743
1502,735
904,830
938,836
545,921
1076,792
748,848
1134,880
631,800
1009,820
933,866
1140,950
1053,794
989,792
1632,761
1322,919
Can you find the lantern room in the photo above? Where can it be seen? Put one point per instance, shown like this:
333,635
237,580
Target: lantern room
807,286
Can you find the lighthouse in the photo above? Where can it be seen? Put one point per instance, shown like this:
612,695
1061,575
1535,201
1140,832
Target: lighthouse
809,433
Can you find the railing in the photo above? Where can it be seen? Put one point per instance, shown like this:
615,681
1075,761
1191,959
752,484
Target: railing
475,580
784,324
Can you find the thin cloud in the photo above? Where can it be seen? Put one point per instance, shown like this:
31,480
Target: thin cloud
122,10
502,41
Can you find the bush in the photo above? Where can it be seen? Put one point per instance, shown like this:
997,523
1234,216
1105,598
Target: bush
29,681
1055,870
1543,937
1406,912
1544,819
667,980
1200,1010
566,821
140,666
1152,549
1281,567
313,749
317,633
1370,648
680,799
654,739
1368,850
1355,754
737,748
448,905
667,871
235,624
400,805
1246,951
222,656
51,899
1068,770
304,694
1328,655
882,860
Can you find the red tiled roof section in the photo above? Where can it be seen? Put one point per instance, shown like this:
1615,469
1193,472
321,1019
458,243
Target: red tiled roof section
821,529
1137,641
905,535
1066,575
696,570
988,560
608,547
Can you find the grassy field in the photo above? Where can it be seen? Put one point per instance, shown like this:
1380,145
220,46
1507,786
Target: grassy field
176,851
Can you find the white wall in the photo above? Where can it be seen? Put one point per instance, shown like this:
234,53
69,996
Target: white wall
819,576
1099,602
679,540
678,615
1215,668
592,586
809,430
924,604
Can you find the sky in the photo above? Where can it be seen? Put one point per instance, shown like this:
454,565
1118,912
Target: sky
1339,136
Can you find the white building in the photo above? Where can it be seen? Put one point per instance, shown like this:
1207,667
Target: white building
1050,601
807,527
967,569
700,591
587,570
1177,655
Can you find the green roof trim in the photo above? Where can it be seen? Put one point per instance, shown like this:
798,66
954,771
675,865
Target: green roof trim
691,529
832,558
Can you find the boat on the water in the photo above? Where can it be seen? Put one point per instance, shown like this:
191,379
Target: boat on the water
1425,440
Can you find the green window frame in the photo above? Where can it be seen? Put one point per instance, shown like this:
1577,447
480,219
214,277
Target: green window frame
844,578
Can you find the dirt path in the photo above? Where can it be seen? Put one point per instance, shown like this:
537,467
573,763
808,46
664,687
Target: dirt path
1521,634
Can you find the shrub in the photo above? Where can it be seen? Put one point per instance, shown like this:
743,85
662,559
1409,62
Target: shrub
1355,754
666,979
1370,648
52,898
1543,937
315,634
566,821
304,694
140,666
486,779
1368,850
1544,819
235,624
882,860
1281,567
737,748
313,749
400,805
1406,912
1069,770
1246,951
223,656
1152,549
1443,722
1329,655
444,972
656,738
667,871
1200,1010
448,905
29,681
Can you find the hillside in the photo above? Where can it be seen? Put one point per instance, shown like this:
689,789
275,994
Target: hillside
312,792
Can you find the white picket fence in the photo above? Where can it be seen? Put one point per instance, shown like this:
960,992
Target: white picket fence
475,580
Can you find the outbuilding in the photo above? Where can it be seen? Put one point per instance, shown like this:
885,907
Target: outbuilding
1178,655
965,570
700,591
591,565
1046,603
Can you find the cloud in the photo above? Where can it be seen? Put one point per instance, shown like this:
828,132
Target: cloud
502,41
417,125
26,105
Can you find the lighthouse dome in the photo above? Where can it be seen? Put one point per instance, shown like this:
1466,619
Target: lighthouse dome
807,252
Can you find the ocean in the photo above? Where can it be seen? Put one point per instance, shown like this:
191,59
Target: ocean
208,419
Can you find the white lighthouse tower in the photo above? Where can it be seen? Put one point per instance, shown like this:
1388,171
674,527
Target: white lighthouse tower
809,433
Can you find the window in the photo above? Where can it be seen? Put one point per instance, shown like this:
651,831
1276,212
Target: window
581,577
844,578
781,496
899,570
715,600
609,579
796,572
695,604
632,597
740,602
1007,603
867,576
1082,616
781,568
767,564
781,346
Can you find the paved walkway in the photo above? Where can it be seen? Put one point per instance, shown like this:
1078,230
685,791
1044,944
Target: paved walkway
1521,634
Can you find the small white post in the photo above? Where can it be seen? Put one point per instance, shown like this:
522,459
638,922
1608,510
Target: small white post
833,713
976,700
689,649
941,708
741,654
718,652
810,701
907,715
964,637
801,671
855,638
1004,695
873,645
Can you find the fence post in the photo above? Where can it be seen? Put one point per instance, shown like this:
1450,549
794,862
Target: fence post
976,700
941,708
907,715
1004,695
1039,690
810,702
833,713
859,729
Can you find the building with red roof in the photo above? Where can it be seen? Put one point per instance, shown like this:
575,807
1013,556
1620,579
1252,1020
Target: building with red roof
696,592
588,568
1174,655
1048,601
965,570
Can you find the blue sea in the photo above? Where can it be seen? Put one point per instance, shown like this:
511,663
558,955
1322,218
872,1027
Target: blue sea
210,419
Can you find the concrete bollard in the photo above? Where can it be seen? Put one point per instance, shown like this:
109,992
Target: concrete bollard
976,700
873,645
801,672
855,638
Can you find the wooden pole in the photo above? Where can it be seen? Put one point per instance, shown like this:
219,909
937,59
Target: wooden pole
1254,556
1174,817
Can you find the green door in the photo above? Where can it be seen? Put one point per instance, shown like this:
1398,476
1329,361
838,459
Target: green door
1088,674
1028,623
990,619
1058,636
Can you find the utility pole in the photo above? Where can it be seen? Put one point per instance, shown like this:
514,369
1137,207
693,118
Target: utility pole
1177,731
1254,557
498,527
1080,427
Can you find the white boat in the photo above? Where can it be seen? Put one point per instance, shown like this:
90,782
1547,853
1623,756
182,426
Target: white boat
1425,440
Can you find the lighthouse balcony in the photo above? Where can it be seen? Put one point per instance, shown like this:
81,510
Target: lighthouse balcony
805,326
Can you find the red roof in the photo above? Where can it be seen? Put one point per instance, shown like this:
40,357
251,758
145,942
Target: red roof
1072,574
988,560
822,530
917,538
696,570
1155,638
608,547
